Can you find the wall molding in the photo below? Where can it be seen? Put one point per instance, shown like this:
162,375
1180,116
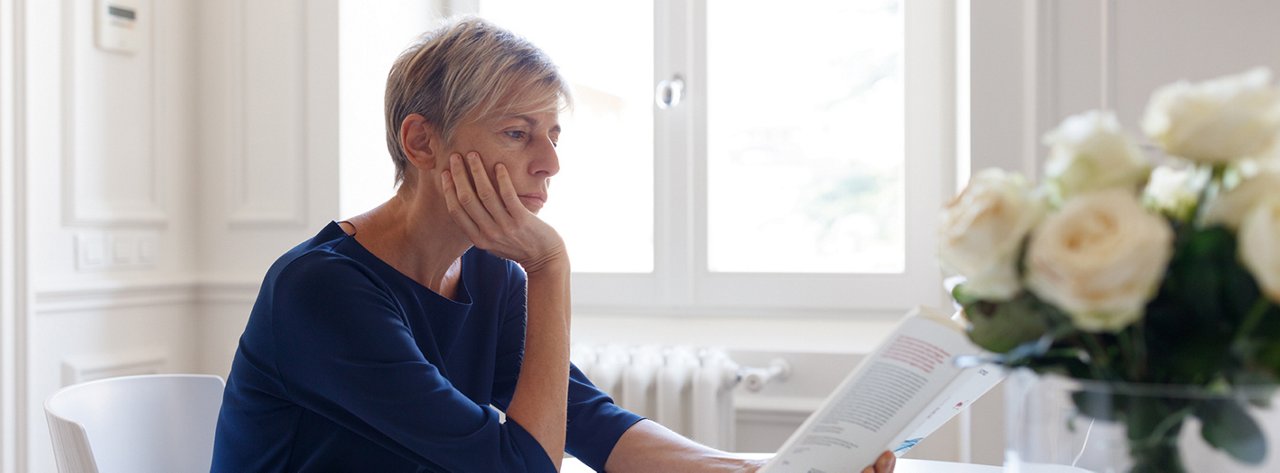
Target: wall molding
79,209
245,210
114,295
1109,53
92,366
228,291
1039,56
14,263
107,295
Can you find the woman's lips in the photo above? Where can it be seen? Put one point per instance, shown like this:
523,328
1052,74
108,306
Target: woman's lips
537,199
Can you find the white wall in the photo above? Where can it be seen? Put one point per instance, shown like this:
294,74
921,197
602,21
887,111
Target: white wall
12,268
142,196
108,205
267,163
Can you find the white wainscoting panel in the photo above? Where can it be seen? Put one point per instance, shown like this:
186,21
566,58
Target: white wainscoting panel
224,306
266,111
103,295
88,367
113,172
93,342
765,423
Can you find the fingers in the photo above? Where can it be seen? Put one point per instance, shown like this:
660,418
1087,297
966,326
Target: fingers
507,190
485,215
885,464
460,215
495,219
484,188
468,200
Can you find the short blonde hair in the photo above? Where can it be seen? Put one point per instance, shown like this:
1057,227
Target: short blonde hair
468,70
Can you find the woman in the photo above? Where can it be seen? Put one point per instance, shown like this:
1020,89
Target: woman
390,341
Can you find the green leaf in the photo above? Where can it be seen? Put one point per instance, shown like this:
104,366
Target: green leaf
1228,427
1152,419
1002,326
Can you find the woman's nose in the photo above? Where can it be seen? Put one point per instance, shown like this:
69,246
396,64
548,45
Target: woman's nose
546,161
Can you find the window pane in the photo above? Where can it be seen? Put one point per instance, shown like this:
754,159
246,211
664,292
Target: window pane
371,36
602,200
805,129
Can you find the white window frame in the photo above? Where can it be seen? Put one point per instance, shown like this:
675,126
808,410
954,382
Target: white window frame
681,282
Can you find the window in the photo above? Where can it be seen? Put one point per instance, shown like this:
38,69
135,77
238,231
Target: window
610,147
804,155
733,155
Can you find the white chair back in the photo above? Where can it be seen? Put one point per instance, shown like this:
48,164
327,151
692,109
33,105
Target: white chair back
135,424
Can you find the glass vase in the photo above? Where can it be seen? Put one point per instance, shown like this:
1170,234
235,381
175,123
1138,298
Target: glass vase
1056,424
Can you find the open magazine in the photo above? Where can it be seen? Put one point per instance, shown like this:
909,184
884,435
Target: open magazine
899,394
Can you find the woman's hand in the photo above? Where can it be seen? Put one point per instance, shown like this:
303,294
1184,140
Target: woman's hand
495,219
884,464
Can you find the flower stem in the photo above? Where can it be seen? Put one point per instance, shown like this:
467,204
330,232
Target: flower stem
1160,456
1131,346
1161,431
1207,192
1101,369
1140,346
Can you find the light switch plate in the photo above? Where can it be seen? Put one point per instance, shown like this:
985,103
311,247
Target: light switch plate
118,23
91,251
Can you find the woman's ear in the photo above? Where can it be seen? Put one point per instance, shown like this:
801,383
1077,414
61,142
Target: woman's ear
420,141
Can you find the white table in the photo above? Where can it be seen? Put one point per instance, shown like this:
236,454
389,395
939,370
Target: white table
905,465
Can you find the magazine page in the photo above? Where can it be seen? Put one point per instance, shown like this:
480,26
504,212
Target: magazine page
970,385
868,413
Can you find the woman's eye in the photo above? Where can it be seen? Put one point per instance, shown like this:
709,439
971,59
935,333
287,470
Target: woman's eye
516,134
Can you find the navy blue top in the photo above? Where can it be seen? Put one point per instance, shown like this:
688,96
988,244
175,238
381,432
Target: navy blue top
348,365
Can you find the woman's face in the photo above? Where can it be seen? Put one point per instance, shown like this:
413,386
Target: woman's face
525,144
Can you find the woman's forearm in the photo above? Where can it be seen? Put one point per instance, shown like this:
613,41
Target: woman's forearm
648,446
541,394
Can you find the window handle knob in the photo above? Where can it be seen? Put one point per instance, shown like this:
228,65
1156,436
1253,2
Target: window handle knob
669,92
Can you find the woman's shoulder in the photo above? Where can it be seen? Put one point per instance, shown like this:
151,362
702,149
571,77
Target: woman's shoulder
319,259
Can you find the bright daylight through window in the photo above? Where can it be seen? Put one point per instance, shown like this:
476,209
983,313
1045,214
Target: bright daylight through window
804,132
799,165
601,202
805,136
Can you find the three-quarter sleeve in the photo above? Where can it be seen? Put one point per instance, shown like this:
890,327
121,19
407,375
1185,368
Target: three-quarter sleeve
346,352
594,423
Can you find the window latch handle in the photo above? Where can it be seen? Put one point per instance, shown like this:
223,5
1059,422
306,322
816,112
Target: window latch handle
669,92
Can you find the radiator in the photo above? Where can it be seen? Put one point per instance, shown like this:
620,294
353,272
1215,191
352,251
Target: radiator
688,390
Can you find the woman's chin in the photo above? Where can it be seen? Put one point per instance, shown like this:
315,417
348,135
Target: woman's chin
533,205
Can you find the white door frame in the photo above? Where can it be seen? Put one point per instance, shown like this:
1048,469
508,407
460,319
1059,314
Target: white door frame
14,277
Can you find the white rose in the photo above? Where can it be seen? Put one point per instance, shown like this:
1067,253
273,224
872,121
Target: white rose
982,231
1216,121
1260,245
1090,152
1229,208
1174,191
1099,259
1270,163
